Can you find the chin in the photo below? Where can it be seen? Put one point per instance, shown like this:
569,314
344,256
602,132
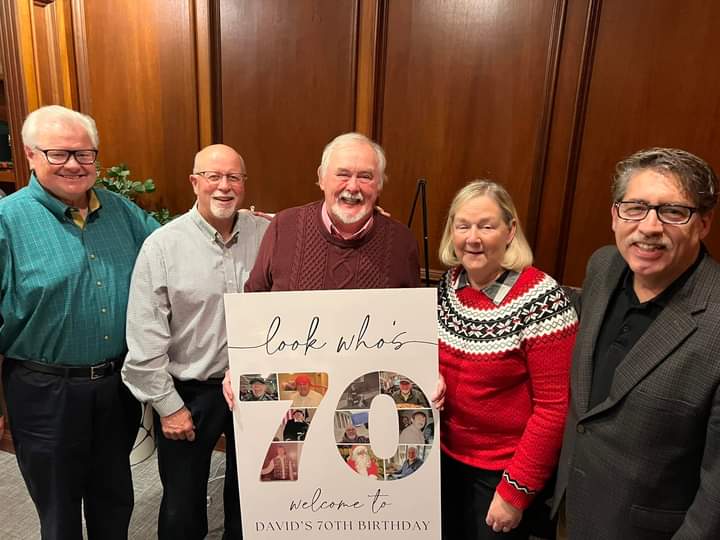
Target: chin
223,213
349,218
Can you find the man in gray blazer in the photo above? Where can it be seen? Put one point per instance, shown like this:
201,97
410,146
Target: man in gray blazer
641,450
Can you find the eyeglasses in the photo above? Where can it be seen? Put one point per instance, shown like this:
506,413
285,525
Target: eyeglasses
671,214
61,157
214,177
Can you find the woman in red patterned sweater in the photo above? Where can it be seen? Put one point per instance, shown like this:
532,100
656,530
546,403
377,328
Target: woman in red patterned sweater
506,335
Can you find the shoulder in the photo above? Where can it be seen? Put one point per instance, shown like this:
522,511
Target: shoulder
399,229
446,285
117,204
705,283
604,257
296,211
535,282
710,266
288,220
175,229
535,287
17,203
248,222
110,199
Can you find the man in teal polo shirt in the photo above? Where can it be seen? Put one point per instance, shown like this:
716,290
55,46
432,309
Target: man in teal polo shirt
66,255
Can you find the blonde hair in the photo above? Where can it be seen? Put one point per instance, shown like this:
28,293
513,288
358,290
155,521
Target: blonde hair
518,254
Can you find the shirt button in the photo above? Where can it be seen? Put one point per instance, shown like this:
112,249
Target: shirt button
92,256
625,329
103,310
580,428
98,283
106,338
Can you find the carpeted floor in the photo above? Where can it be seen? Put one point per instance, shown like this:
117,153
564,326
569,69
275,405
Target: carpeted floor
19,521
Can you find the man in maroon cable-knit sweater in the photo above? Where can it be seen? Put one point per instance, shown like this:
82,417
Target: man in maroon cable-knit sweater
341,242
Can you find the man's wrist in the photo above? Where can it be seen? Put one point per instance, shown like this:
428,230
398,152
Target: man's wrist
169,404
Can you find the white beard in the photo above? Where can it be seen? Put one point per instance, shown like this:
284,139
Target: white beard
347,218
221,212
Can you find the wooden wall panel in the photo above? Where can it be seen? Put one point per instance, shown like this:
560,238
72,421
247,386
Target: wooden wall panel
654,82
465,96
14,85
140,73
288,85
54,54
556,194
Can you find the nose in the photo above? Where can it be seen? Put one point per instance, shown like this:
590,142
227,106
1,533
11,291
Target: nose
224,184
474,234
352,183
651,225
72,163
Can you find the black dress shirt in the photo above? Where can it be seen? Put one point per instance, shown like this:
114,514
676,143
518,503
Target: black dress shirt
626,320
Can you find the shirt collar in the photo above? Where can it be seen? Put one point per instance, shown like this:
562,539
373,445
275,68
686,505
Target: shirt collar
55,205
495,291
93,205
332,229
210,231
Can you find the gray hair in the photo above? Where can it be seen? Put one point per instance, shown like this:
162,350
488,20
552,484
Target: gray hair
55,113
518,254
696,178
348,138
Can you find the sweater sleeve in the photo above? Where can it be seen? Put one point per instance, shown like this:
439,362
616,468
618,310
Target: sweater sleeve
548,340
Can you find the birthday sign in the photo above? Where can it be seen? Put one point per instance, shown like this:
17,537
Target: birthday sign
335,433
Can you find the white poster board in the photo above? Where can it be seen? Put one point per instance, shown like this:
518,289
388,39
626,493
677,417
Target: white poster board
334,432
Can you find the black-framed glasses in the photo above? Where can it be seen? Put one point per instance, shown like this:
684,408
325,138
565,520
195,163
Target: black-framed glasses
215,177
61,157
671,214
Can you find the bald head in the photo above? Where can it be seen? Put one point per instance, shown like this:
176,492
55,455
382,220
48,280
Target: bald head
209,158
218,180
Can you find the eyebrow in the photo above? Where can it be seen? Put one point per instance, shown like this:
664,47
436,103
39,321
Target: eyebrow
362,171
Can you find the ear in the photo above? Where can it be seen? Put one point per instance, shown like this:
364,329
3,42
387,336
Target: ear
320,179
511,234
193,181
613,214
705,222
29,152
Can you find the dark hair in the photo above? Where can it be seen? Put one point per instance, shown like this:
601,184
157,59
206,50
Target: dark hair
696,178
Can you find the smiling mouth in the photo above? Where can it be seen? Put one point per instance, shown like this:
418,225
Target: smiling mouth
350,202
648,247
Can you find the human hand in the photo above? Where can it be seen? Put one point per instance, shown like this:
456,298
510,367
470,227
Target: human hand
2,426
227,390
438,398
178,426
258,213
502,516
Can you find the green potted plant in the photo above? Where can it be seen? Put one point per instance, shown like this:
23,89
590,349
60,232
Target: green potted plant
117,179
